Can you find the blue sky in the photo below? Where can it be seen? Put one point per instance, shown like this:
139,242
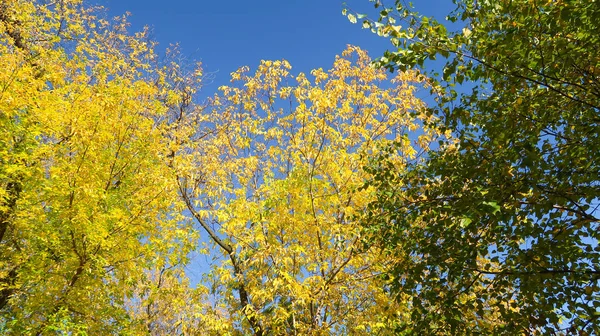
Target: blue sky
225,35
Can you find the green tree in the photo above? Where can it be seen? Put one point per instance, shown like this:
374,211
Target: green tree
503,222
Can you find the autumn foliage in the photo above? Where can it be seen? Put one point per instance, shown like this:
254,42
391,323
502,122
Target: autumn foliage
111,170
275,179
134,201
87,205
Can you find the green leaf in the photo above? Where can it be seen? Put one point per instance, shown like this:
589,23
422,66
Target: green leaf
494,205
465,221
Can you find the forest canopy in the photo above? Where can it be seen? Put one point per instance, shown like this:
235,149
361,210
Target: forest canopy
330,202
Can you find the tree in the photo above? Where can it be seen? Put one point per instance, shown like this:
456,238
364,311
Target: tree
273,177
506,218
88,201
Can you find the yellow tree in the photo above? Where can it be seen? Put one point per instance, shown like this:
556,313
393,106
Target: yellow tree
273,176
88,203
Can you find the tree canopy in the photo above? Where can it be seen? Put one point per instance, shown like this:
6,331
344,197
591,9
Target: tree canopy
88,203
275,179
111,169
329,202
502,221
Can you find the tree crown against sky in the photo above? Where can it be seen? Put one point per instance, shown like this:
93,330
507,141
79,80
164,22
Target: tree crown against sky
511,212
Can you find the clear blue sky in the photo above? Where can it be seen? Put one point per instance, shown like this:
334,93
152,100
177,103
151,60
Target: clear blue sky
225,35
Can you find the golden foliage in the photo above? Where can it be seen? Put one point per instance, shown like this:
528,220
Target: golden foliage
275,176
88,203
104,156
